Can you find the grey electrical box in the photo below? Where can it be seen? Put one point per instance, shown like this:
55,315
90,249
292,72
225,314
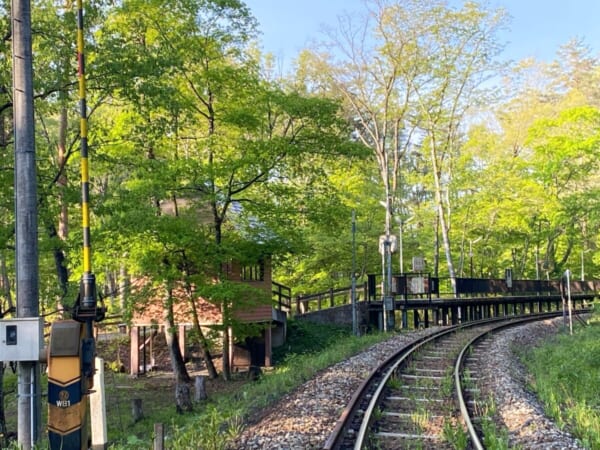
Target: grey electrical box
21,339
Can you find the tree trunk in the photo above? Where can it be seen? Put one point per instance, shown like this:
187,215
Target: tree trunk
183,398
177,363
224,306
226,341
62,272
200,388
436,246
63,220
137,412
203,345
439,203
5,282
123,287
202,342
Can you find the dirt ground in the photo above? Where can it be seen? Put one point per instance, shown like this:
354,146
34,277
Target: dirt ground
159,376
155,389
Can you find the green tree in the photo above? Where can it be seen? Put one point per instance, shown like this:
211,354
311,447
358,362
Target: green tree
566,166
200,126
408,75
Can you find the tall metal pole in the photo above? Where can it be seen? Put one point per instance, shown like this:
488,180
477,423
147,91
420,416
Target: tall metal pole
401,245
392,321
354,306
389,314
88,294
383,288
29,402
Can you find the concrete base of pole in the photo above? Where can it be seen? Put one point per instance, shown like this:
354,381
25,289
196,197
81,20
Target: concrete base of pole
98,409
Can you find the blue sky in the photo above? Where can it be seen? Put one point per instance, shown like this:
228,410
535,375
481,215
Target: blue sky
537,27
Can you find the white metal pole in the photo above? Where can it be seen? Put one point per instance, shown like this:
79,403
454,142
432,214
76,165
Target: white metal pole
383,308
568,273
401,246
353,294
389,280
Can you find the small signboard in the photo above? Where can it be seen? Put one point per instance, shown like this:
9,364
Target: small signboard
417,285
509,278
388,303
418,264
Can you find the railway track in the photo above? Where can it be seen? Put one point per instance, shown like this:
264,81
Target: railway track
425,396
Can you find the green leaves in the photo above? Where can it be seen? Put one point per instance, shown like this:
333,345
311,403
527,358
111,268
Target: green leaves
567,148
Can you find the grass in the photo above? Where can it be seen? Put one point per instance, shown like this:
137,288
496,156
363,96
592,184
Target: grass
565,374
307,338
494,436
225,415
455,435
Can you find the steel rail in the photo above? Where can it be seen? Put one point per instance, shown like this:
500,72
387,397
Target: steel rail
336,437
385,371
376,398
475,440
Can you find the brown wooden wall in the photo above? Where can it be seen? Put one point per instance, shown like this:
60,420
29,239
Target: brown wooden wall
209,314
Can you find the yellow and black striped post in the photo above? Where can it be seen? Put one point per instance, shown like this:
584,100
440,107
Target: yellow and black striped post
72,345
88,294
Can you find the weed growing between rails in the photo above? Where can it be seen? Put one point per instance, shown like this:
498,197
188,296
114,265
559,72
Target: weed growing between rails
455,434
494,437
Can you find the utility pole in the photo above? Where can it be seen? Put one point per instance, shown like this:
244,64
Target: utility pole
353,293
29,403
387,244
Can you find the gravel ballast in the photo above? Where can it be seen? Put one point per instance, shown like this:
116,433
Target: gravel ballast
305,418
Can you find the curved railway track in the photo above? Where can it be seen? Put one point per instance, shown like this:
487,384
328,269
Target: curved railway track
422,397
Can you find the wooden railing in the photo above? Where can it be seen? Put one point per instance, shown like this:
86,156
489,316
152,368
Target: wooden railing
329,299
282,297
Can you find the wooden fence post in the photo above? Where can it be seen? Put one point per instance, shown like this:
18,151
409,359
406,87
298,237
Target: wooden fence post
200,388
136,409
159,436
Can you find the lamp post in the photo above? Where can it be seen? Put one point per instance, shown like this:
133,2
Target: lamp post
583,252
387,243
401,222
471,242
386,248
537,245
